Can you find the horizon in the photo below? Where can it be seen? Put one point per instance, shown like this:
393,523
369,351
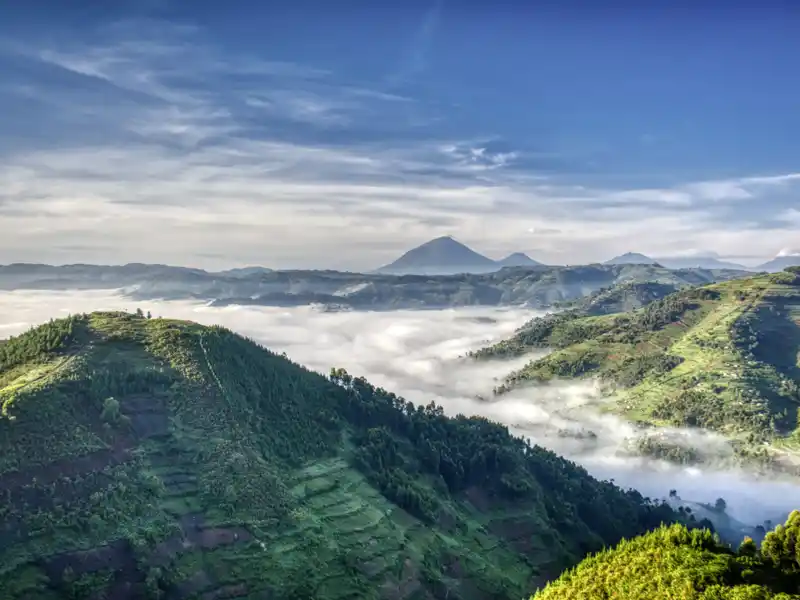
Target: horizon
312,137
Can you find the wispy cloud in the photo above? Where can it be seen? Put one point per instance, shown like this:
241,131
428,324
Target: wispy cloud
214,154
415,58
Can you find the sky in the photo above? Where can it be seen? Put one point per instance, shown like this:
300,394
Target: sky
338,135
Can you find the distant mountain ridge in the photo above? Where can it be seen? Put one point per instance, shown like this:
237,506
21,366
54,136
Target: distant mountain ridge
631,258
779,263
447,256
676,262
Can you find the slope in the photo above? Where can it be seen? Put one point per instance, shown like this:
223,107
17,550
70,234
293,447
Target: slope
150,458
722,357
673,562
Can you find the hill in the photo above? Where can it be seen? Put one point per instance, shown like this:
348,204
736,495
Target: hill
722,357
440,256
779,263
150,458
518,259
623,297
674,562
631,258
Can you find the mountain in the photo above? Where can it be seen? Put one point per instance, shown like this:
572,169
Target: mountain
518,259
699,262
674,562
151,458
723,357
440,256
779,263
631,258
245,272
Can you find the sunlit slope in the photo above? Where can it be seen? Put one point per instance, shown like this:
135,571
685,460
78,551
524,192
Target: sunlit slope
144,458
673,562
723,356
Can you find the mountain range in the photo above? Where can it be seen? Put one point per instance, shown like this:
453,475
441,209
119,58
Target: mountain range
446,256
538,287
703,262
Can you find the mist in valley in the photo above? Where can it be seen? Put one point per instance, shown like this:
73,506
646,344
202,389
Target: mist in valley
420,355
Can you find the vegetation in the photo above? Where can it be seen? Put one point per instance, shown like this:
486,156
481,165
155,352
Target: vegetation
674,562
152,458
722,357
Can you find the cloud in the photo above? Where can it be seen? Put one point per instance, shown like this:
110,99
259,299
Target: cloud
789,252
152,127
418,355
414,61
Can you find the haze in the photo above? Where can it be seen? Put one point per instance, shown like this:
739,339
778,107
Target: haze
417,354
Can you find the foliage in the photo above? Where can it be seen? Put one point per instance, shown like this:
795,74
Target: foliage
674,562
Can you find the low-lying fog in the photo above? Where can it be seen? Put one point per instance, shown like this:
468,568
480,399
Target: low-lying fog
418,354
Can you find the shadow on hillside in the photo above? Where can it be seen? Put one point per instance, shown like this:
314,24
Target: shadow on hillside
779,346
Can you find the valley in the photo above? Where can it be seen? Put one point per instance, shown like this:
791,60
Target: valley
176,450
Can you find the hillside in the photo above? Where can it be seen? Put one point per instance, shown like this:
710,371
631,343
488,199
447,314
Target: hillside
440,256
723,357
673,563
150,458
623,297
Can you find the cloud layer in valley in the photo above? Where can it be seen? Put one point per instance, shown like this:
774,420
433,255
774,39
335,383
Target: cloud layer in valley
417,354
225,150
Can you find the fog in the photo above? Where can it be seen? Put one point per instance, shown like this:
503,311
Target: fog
419,355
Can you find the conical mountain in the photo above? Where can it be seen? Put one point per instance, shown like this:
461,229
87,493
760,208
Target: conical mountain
518,259
443,255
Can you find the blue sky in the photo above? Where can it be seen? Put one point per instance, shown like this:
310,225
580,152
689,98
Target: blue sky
311,134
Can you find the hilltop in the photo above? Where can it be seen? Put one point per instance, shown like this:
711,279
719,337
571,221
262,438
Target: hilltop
723,357
631,258
674,562
518,259
152,458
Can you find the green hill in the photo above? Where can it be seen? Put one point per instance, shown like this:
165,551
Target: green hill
723,357
673,563
623,297
149,458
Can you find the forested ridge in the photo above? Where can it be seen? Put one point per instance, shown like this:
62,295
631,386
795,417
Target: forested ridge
723,357
150,458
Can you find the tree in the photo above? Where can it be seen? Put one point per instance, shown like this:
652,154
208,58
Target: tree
720,505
